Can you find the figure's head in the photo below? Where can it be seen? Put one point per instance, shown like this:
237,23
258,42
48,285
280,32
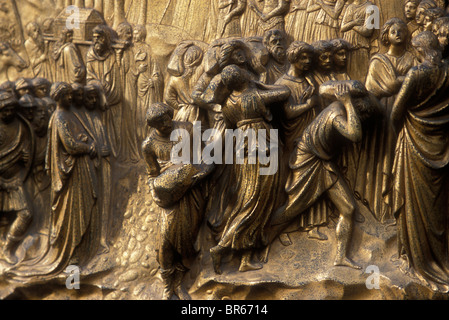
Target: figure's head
94,97
23,86
41,118
430,16
394,33
78,94
8,106
66,35
28,106
441,30
274,41
193,57
8,86
101,38
160,116
33,30
421,10
410,9
300,55
125,32
233,77
41,87
139,33
232,52
427,48
340,53
61,93
323,55
51,105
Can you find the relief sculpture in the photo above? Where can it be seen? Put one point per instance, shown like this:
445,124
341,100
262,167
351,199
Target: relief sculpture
224,150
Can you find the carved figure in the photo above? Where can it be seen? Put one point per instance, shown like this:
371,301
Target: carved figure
271,15
176,189
103,69
296,19
420,115
385,77
246,108
16,157
410,9
229,13
324,19
69,65
340,58
356,31
150,80
314,170
37,50
275,42
74,219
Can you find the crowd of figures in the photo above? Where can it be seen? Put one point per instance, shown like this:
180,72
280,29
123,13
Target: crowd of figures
352,127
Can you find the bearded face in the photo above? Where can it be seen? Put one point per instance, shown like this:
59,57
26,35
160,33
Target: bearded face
276,48
99,42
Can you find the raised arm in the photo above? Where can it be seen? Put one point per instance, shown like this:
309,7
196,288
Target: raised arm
350,126
274,93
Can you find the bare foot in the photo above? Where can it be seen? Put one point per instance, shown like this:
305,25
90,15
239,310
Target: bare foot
346,262
285,239
316,234
249,266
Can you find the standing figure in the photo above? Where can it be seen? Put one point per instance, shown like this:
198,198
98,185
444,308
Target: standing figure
150,80
325,22
275,43
178,192
271,16
74,222
314,169
103,69
69,64
296,20
94,105
126,59
421,116
300,108
229,13
420,18
37,50
323,61
16,157
340,57
247,108
410,8
178,92
358,34
385,77
39,181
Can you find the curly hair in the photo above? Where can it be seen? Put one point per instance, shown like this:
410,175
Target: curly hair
296,48
386,30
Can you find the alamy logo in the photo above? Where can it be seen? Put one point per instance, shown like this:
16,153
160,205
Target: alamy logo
73,278
373,280
373,19
254,146
73,21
